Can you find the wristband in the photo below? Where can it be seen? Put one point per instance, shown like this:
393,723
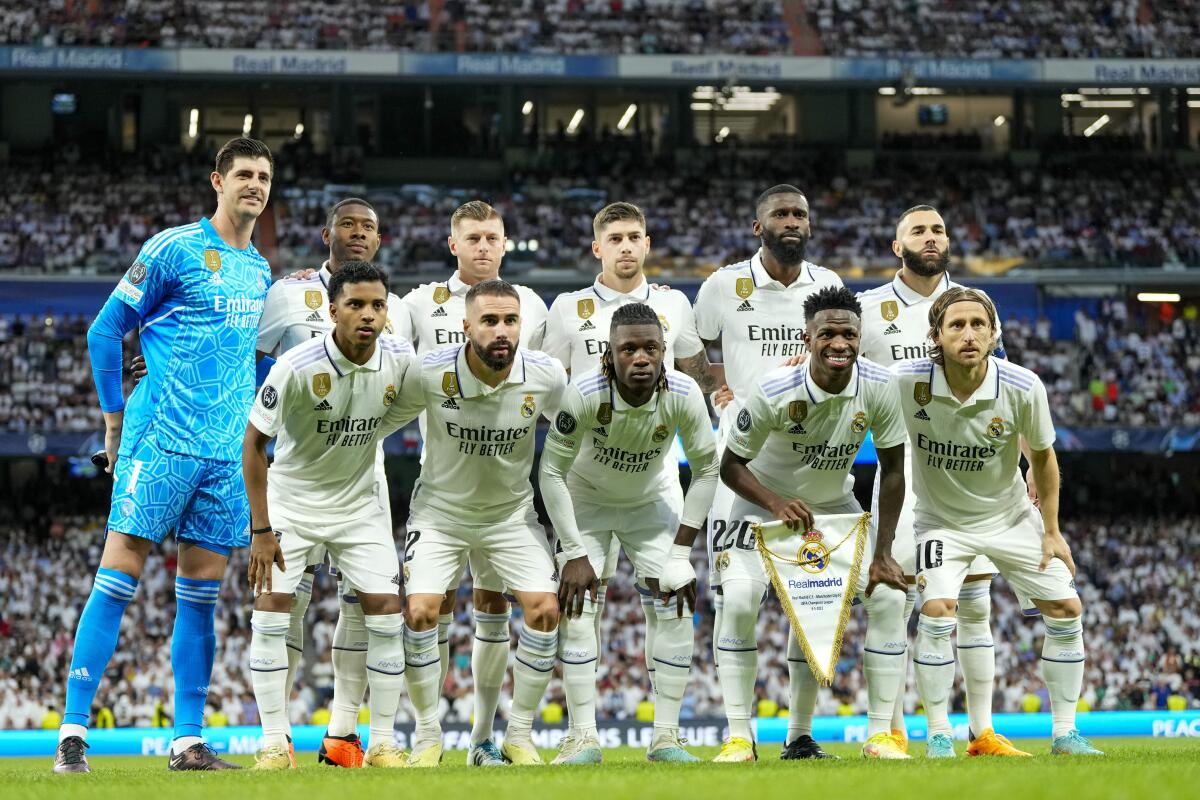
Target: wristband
257,531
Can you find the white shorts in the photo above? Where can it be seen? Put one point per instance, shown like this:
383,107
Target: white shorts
515,549
362,548
645,532
945,557
320,556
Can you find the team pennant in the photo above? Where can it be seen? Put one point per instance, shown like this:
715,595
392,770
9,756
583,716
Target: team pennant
815,574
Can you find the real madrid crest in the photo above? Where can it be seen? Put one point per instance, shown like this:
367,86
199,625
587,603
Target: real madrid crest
441,294
813,555
722,561
798,410
321,384
744,287
996,427
890,309
528,407
859,423
604,414
666,325
660,434
212,259
585,308
450,383
389,394
312,299
922,393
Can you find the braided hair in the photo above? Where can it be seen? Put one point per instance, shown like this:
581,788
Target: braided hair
631,314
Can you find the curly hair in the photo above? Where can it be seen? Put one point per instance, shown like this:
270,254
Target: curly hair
631,314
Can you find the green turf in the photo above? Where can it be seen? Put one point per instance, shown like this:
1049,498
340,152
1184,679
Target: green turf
1133,768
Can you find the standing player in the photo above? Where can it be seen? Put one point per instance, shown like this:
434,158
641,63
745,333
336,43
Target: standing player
325,400
754,310
432,318
896,327
197,293
297,311
577,330
966,412
473,498
789,457
609,452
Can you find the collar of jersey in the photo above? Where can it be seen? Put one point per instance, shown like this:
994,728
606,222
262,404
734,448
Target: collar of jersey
818,395
988,390
470,386
456,285
762,278
619,404
640,292
324,273
909,296
344,366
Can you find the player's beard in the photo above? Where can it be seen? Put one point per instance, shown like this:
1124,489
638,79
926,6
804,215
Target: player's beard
494,362
922,265
787,253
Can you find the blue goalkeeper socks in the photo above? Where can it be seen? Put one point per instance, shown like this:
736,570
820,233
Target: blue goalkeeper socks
95,641
193,647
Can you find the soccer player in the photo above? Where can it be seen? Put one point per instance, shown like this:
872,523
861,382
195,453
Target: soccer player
577,330
482,400
432,318
896,327
196,292
966,411
789,457
297,311
606,473
753,309
326,401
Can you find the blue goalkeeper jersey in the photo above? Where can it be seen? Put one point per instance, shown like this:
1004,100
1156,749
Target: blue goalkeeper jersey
198,301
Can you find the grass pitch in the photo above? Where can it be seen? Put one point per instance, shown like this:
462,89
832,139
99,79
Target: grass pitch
1147,769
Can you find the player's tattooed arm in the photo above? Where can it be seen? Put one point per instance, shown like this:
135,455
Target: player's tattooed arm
884,567
264,547
710,376
738,477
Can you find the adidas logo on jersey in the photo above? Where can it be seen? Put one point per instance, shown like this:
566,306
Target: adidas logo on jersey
921,415
891,329
796,429
438,312
587,326
600,431
323,406
745,306
313,317
81,674
449,403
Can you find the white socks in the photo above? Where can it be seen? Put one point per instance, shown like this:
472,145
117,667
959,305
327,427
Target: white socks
910,602
884,655
268,673
1062,670
578,652
802,690
295,634
934,661
443,628
737,643
421,660
531,675
350,640
651,617
489,664
674,642
385,673
977,652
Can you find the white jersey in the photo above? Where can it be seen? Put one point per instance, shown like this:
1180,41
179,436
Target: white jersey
578,324
622,453
431,316
328,414
480,443
758,320
966,456
297,310
801,440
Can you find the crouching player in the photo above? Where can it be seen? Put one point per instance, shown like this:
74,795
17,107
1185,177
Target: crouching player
328,401
966,412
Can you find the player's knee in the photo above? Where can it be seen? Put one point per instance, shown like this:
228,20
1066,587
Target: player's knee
489,602
273,601
448,601
125,553
378,604
423,611
541,612
1060,609
939,607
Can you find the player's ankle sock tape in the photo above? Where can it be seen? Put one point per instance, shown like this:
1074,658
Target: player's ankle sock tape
95,640
884,653
578,652
268,662
537,649
385,671
193,650
420,647
802,691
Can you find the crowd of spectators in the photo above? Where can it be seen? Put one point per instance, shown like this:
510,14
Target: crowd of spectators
1137,578
954,28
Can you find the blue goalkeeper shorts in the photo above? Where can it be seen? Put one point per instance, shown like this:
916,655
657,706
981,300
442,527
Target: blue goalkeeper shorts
203,501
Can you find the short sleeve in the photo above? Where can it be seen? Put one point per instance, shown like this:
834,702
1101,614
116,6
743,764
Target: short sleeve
707,311
270,404
1038,429
569,422
274,319
887,421
555,341
401,316
754,421
695,429
687,342
533,320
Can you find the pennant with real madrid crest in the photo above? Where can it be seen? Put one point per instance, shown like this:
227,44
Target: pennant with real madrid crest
815,575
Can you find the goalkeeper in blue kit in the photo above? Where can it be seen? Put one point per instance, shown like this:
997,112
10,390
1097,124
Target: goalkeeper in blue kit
196,293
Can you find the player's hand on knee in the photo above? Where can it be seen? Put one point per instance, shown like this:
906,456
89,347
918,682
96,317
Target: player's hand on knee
886,570
794,513
722,397
577,581
264,551
137,368
1055,546
678,579
684,595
